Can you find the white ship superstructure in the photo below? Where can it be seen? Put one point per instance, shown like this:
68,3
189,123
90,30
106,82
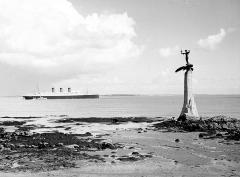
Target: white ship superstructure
60,95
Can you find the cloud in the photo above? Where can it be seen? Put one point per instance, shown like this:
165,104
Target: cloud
52,36
166,52
212,41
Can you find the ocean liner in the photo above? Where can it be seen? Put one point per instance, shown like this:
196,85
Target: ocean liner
60,95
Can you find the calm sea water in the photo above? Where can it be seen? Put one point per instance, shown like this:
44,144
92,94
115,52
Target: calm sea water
112,106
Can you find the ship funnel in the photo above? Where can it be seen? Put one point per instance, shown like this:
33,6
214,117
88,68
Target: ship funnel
61,90
69,89
53,90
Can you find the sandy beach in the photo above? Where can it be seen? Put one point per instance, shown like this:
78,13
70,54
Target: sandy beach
133,146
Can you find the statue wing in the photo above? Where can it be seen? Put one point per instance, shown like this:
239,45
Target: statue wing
181,68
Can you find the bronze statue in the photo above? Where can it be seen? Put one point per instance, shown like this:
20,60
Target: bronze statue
186,54
188,65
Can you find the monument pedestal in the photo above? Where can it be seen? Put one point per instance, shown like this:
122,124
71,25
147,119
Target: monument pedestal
189,108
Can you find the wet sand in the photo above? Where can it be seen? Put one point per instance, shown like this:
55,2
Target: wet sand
113,147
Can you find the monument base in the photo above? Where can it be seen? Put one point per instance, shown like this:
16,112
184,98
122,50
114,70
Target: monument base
189,108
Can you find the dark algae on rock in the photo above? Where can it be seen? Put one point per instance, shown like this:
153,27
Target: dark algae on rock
214,127
25,151
135,156
112,120
12,123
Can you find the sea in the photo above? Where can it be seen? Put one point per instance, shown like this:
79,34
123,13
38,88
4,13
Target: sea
120,106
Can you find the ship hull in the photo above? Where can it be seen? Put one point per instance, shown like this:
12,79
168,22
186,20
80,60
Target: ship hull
61,97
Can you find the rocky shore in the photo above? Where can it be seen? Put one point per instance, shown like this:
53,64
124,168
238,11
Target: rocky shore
25,150
22,150
214,127
137,142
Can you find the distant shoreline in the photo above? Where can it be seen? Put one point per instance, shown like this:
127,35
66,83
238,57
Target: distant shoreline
135,95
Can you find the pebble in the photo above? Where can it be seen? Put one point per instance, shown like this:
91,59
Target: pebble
42,145
106,145
135,153
88,134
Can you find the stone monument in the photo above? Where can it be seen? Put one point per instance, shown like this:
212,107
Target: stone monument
189,108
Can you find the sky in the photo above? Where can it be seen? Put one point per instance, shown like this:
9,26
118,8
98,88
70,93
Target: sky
119,47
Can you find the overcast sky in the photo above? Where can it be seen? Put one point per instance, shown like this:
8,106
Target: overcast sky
119,46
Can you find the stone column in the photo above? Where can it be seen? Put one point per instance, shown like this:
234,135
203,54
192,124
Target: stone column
189,108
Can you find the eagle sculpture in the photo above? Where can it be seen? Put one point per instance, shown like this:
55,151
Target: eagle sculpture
187,67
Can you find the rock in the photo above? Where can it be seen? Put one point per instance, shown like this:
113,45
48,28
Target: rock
72,146
68,128
12,146
106,145
28,133
224,126
19,146
125,159
148,155
235,135
115,121
201,135
135,153
88,134
13,134
29,146
8,157
7,135
140,130
15,137
219,135
6,145
2,130
231,125
59,144
177,140
42,145
33,146
182,118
